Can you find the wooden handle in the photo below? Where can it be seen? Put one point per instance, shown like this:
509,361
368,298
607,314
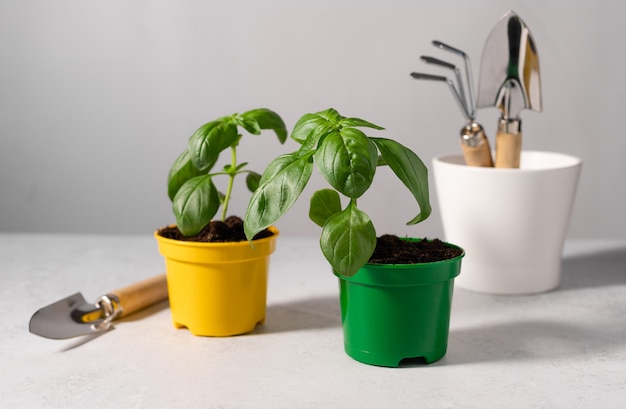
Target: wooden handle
142,294
477,155
475,145
508,145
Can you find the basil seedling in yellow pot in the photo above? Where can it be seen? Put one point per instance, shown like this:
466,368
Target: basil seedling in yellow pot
217,280
393,309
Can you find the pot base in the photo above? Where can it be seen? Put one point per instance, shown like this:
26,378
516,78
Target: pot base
394,361
202,331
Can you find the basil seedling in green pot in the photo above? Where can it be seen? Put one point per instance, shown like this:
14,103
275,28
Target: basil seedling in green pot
391,309
348,159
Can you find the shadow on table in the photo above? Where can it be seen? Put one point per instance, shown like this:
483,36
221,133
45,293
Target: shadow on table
313,313
307,314
529,340
546,339
602,269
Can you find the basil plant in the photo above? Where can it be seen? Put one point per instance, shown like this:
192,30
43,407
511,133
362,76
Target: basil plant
347,159
195,198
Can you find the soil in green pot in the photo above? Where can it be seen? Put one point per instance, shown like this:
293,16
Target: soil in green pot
391,249
229,230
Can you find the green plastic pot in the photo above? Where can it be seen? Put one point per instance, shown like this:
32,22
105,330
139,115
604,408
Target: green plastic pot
394,314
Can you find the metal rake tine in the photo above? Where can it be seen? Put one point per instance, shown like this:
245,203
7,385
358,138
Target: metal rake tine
468,73
440,78
457,73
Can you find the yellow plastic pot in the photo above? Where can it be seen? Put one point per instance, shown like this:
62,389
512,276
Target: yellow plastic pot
217,289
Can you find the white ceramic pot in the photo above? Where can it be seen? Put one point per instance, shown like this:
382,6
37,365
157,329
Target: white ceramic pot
511,222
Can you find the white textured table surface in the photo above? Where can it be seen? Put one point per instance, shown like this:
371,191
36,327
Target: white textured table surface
563,349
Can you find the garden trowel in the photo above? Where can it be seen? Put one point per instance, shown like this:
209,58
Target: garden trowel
509,80
73,316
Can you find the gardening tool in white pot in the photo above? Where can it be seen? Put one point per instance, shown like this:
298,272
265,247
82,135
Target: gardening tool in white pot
511,220
509,80
474,142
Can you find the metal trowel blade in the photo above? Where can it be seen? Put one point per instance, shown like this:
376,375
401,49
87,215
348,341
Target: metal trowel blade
66,319
509,69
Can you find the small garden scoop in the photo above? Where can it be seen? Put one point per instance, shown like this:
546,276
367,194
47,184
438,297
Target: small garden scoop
509,80
73,316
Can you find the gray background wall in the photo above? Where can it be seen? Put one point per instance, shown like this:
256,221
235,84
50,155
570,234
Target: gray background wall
97,98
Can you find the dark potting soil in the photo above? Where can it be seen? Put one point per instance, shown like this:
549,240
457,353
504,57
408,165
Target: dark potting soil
229,230
390,249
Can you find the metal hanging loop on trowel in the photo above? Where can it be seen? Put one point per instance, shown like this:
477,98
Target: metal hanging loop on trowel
73,316
509,80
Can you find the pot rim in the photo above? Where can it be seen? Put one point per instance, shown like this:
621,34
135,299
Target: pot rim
273,229
456,160
400,275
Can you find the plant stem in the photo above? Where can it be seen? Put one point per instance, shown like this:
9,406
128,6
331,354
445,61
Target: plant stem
231,181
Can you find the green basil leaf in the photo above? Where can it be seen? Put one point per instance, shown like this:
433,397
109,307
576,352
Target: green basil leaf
252,181
331,115
308,124
351,122
250,125
267,119
410,170
347,159
348,240
195,204
181,171
206,144
279,188
228,168
324,203
314,139
241,166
